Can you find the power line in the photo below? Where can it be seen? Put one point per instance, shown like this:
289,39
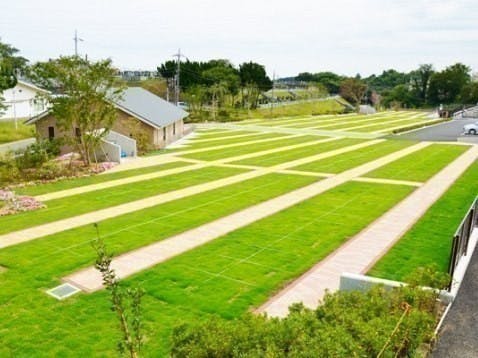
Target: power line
178,70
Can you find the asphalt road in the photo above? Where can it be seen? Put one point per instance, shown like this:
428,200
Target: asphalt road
445,132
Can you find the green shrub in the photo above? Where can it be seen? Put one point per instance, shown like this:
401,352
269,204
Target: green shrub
387,322
38,153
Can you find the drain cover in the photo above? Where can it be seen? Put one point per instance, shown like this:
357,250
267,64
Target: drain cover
63,291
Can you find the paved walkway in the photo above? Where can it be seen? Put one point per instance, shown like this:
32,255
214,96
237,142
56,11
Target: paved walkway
360,253
197,164
300,131
17,145
138,260
459,332
35,232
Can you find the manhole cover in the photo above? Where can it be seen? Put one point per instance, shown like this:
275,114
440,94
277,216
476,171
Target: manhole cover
63,291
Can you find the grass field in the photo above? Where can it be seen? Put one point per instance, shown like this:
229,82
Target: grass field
8,133
235,272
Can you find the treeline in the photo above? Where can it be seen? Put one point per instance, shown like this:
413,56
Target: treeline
423,87
218,84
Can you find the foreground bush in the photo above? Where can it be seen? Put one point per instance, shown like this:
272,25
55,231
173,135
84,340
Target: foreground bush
380,322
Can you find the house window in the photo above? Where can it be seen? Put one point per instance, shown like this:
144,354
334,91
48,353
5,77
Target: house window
164,133
51,133
174,128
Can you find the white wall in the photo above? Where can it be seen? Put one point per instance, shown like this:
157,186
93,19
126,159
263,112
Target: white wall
21,102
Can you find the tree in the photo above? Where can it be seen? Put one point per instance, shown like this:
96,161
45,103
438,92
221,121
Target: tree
400,96
83,102
254,81
447,85
387,80
125,303
10,65
330,80
469,93
353,90
420,80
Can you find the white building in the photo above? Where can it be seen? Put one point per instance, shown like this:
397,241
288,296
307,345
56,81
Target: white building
22,102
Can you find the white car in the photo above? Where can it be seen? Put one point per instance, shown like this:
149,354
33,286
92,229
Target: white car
471,128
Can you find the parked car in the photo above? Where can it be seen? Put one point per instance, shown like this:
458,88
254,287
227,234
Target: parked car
471,128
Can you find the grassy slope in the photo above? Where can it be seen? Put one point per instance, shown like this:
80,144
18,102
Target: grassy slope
429,240
305,108
421,165
224,277
9,134
352,159
82,203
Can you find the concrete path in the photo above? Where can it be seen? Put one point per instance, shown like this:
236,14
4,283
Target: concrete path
148,256
17,145
300,131
142,162
360,253
197,164
35,232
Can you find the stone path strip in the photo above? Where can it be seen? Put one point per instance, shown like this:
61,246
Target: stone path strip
197,164
302,131
35,232
135,261
166,157
360,253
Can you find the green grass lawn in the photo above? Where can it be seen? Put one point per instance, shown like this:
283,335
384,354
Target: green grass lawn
300,109
210,144
225,277
8,133
217,136
420,165
298,153
71,183
215,154
352,159
376,121
429,240
99,199
384,126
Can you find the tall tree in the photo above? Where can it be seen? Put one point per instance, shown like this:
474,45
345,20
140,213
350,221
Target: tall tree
353,90
10,66
83,105
446,86
254,81
420,80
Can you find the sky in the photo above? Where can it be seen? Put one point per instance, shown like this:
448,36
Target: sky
288,37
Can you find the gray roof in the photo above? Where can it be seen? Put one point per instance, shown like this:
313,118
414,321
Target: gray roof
149,108
144,106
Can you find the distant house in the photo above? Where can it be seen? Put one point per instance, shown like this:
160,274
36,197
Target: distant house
22,101
161,121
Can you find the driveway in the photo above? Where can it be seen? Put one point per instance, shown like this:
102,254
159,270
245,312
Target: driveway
445,132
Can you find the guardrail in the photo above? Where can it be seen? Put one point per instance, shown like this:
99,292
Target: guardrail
462,237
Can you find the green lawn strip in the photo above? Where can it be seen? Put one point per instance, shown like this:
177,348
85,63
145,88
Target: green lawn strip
429,241
70,183
346,122
213,135
225,277
383,126
339,163
8,133
376,123
100,199
215,154
225,141
420,165
293,154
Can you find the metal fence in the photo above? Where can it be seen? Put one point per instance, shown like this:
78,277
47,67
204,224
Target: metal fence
462,237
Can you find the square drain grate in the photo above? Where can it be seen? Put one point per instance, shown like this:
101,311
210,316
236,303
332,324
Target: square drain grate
63,291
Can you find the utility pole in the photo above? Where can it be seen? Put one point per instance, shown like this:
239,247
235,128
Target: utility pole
178,70
76,39
272,92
